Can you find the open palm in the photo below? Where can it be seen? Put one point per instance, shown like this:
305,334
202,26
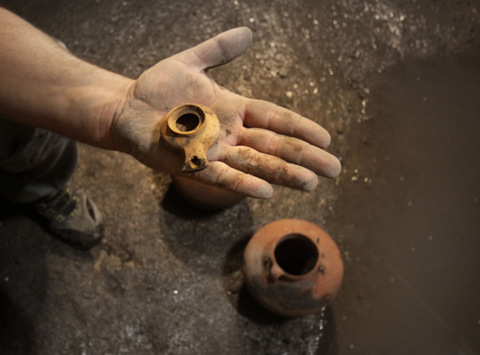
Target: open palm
259,142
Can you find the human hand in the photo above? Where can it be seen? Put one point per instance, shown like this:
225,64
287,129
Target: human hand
259,142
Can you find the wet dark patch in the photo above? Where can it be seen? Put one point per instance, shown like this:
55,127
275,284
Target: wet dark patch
408,204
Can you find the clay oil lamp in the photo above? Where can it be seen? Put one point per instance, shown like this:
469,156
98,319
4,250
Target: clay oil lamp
190,130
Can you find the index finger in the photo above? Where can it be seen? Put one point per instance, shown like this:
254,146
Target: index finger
263,114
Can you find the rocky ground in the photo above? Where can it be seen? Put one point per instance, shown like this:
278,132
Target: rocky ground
397,84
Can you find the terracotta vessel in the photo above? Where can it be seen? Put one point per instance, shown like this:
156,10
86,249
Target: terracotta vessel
205,196
292,267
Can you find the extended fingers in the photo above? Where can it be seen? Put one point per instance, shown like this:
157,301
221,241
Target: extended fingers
221,175
270,168
292,150
263,114
218,50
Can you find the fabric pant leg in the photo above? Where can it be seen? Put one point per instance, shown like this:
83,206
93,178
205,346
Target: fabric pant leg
34,163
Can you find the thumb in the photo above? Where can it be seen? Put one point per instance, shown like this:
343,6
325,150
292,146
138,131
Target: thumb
218,50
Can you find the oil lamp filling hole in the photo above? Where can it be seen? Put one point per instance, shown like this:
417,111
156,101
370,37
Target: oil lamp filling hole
296,254
188,122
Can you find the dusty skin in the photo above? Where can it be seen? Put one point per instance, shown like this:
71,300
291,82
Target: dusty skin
235,163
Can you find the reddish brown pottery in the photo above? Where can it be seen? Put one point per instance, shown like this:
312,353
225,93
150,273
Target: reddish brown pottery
205,196
292,267
190,130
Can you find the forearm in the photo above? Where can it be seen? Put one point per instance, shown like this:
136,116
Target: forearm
43,85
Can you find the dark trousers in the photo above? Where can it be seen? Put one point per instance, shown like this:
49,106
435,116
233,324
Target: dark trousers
34,163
